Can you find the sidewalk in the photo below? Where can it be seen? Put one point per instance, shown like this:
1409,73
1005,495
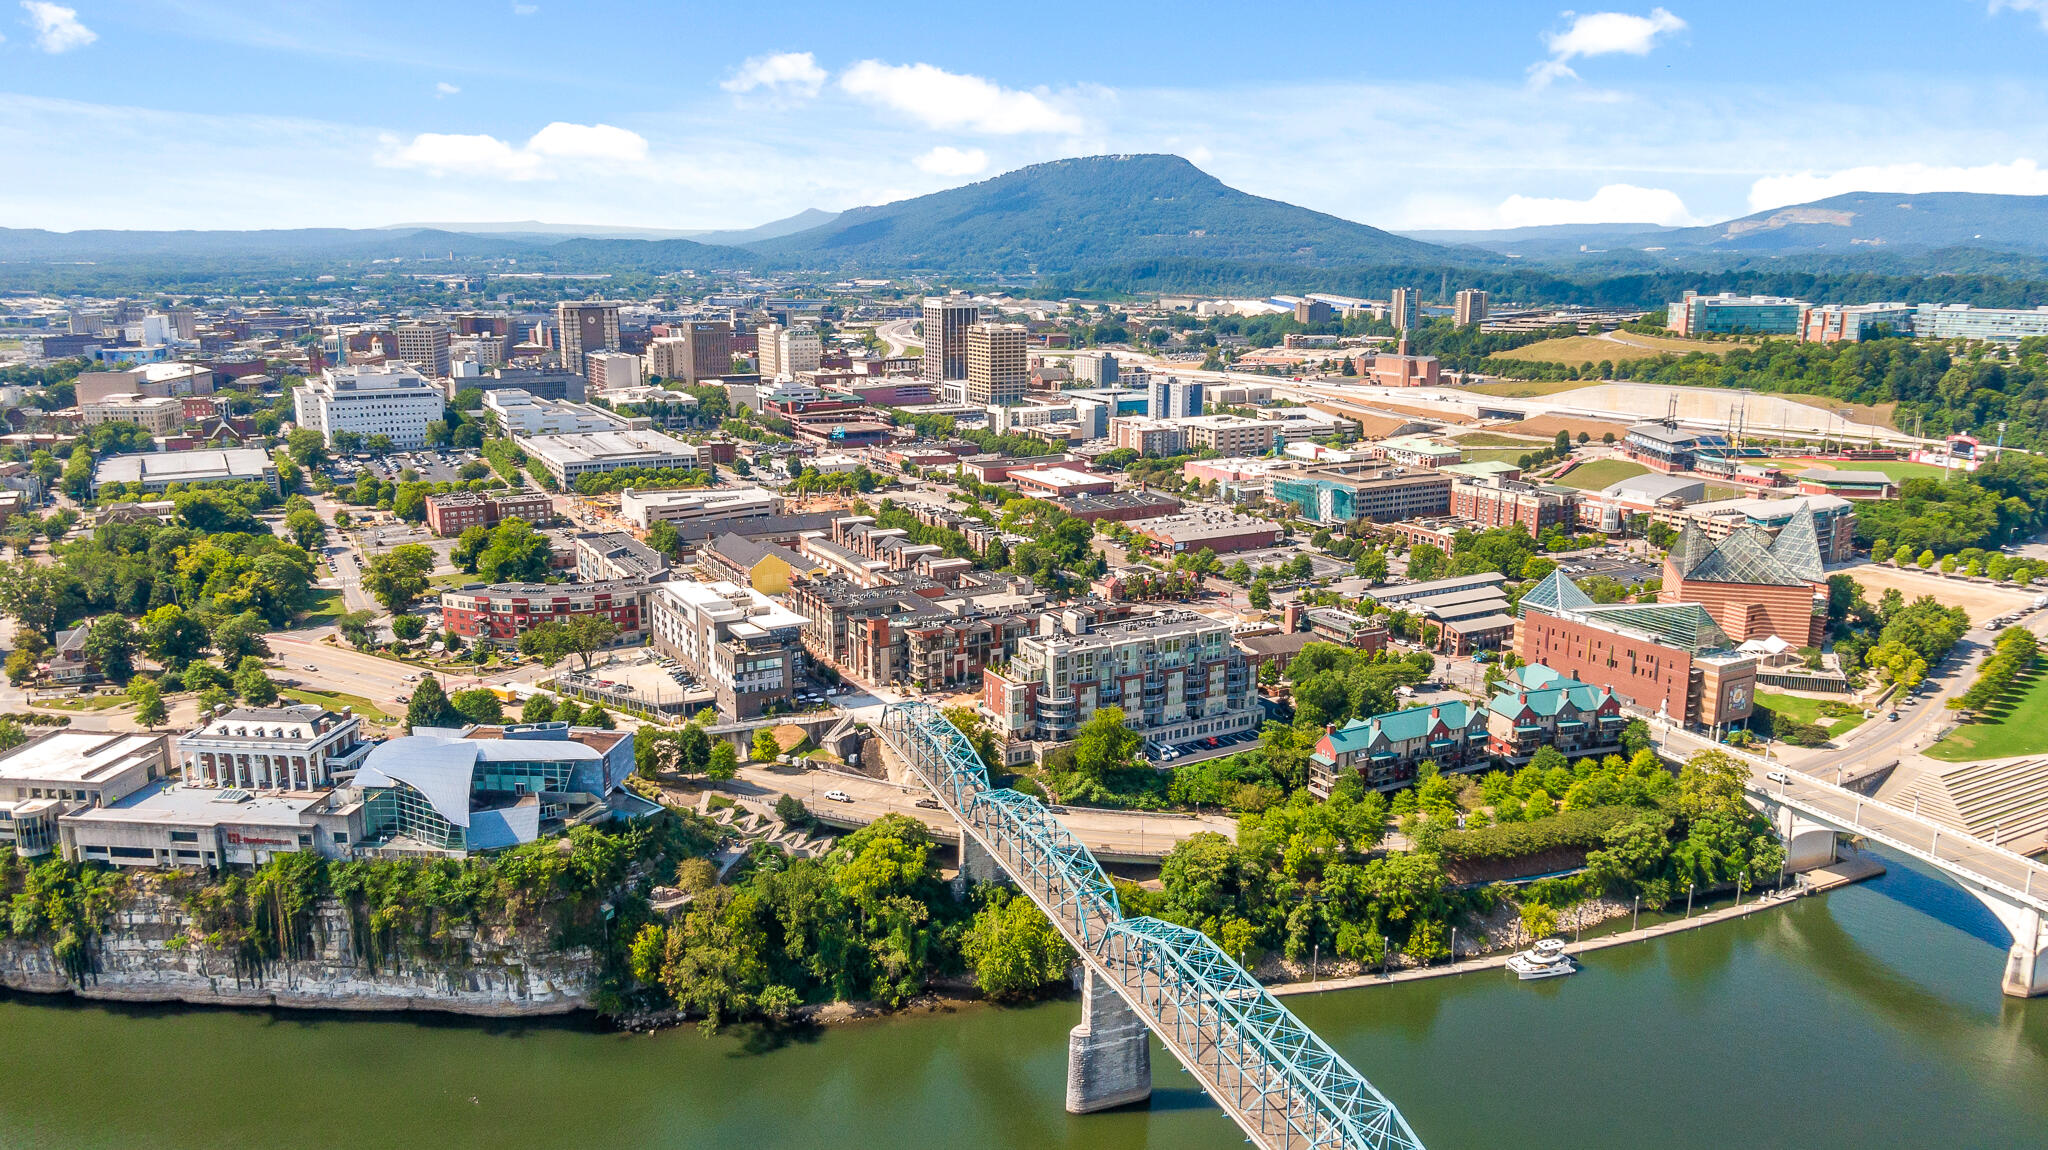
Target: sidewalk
1853,869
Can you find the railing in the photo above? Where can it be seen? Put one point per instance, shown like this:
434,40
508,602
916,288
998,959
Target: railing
1281,1083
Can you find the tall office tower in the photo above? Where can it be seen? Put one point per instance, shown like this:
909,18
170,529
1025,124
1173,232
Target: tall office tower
997,374
586,327
424,346
1405,310
945,337
611,370
706,350
1173,397
768,351
1471,307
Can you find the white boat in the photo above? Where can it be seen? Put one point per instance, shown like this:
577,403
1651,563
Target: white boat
1546,959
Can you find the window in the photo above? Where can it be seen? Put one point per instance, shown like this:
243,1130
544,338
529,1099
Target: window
184,836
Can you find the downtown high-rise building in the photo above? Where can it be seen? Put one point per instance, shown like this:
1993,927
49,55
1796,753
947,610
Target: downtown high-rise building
997,369
586,327
1404,310
946,321
786,352
424,347
1171,397
1471,307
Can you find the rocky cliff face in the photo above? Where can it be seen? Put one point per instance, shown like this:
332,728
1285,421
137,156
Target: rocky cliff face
150,953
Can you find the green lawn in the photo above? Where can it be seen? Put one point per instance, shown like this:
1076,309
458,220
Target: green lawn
335,701
1896,468
327,608
1803,710
85,703
1495,439
1601,473
2016,725
1499,454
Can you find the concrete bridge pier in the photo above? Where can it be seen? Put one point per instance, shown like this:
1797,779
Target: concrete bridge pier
1808,844
2026,964
1109,1055
976,864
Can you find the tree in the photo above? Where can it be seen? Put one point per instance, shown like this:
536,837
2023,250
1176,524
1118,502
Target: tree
237,637
516,554
379,444
765,746
428,706
596,716
537,709
479,705
1104,744
172,637
149,703
408,627
305,446
110,646
1260,596
693,748
399,577
1427,561
253,683
663,537
469,546
355,627
790,811
724,763
1014,950
1563,444
306,528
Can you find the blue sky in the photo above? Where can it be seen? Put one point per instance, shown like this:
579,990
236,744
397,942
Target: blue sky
183,113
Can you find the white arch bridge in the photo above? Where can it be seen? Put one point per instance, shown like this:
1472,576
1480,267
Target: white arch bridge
1281,1083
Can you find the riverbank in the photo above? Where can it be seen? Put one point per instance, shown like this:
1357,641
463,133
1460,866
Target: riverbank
1854,868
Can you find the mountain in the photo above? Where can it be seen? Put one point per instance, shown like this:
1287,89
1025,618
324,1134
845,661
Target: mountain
1879,221
309,246
543,232
773,229
1094,210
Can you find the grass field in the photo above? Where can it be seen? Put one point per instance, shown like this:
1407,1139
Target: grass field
1800,710
1624,347
1896,468
1497,454
327,607
2016,728
1723,491
335,701
1601,473
1494,439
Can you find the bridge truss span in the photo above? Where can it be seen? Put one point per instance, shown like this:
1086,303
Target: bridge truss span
1277,1080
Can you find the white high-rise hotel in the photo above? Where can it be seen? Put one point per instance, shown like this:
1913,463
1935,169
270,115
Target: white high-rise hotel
384,400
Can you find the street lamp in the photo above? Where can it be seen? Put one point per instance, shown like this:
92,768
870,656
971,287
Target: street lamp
1688,900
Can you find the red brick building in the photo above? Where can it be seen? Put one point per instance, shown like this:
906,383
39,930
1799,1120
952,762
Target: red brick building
500,613
457,511
1753,585
1504,502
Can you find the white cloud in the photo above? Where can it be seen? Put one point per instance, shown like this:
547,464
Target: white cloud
947,161
2020,178
57,27
1601,34
441,153
444,88
1612,204
950,101
786,73
2037,7
525,9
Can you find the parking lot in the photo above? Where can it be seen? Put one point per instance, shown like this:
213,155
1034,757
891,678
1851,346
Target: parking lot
1196,750
1628,571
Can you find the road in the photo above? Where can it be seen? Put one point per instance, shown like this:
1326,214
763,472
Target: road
1117,836
382,681
900,334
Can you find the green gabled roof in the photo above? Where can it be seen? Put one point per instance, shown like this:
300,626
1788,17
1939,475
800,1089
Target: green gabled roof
1554,595
1397,726
1548,701
1686,626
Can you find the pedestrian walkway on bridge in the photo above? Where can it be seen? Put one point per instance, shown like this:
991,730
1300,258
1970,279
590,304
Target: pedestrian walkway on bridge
1275,1078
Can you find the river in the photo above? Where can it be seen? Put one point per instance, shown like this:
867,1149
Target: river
1868,1017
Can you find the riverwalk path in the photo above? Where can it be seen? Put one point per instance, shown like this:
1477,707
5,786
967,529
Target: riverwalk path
1851,868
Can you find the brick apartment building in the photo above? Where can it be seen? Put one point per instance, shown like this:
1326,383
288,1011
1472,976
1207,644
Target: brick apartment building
457,511
500,613
1505,502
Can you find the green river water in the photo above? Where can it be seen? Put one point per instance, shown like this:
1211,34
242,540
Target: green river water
1869,1017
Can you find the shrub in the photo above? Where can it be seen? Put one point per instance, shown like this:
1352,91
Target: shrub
1583,828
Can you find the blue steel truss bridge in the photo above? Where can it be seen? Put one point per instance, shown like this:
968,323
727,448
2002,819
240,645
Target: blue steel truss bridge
1281,1083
